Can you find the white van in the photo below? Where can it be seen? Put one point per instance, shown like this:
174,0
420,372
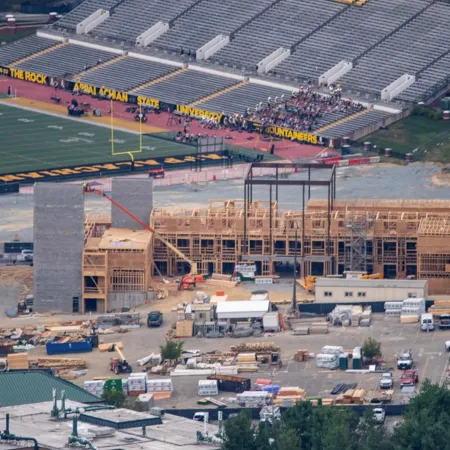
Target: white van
426,322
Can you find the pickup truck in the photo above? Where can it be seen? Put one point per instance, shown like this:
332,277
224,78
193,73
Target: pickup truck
379,415
386,380
444,321
405,360
409,378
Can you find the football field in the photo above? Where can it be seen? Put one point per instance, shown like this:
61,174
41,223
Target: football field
37,141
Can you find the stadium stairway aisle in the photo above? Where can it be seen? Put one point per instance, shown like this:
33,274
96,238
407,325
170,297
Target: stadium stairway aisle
158,80
42,52
217,94
61,110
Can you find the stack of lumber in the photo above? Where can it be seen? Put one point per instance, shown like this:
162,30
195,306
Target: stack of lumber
247,362
290,395
324,401
74,338
246,358
220,281
319,328
184,328
301,355
351,397
106,347
358,396
66,363
256,347
18,361
409,319
301,330
440,307
163,395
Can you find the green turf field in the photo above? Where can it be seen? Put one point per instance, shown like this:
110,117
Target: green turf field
35,141
428,139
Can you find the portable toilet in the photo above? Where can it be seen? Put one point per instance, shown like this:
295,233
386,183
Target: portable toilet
343,361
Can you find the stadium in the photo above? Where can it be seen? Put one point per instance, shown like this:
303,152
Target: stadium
272,75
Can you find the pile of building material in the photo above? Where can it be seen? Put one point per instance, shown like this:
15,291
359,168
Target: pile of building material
366,317
257,347
350,315
110,346
412,309
18,361
301,330
95,387
289,396
319,328
254,399
440,307
184,328
160,388
121,320
221,281
137,384
327,361
58,363
393,309
301,355
351,397
152,360
246,362
206,388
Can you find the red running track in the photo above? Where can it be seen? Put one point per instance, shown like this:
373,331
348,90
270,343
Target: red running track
284,148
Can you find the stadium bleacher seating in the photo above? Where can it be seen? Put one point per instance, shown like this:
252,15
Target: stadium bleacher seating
133,17
66,60
24,48
240,99
351,125
348,36
186,87
208,19
126,73
84,10
283,25
432,79
410,50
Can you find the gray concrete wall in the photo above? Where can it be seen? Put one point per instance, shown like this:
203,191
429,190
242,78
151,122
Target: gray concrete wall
58,245
135,194
118,300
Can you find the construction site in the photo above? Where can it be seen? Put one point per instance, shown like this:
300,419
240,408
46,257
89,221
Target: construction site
101,262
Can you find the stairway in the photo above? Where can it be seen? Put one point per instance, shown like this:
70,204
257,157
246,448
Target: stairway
345,119
221,92
34,55
158,80
93,69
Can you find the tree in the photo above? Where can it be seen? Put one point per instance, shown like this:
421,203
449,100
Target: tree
288,440
371,348
114,398
239,433
171,349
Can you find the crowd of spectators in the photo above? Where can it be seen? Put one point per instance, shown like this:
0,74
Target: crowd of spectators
303,111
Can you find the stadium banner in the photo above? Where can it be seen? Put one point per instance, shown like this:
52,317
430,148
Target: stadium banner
24,75
192,111
109,169
95,91
288,133
147,101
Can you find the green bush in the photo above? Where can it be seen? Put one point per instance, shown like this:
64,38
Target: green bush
429,113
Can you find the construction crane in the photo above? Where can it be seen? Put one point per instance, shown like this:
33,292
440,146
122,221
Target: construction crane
89,190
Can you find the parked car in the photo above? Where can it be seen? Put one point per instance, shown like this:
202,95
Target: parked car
386,380
379,415
409,378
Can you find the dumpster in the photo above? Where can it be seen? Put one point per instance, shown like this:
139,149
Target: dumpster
56,347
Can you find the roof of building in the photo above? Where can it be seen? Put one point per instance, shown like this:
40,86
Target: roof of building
243,306
21,388
356,283
125,239
175,433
